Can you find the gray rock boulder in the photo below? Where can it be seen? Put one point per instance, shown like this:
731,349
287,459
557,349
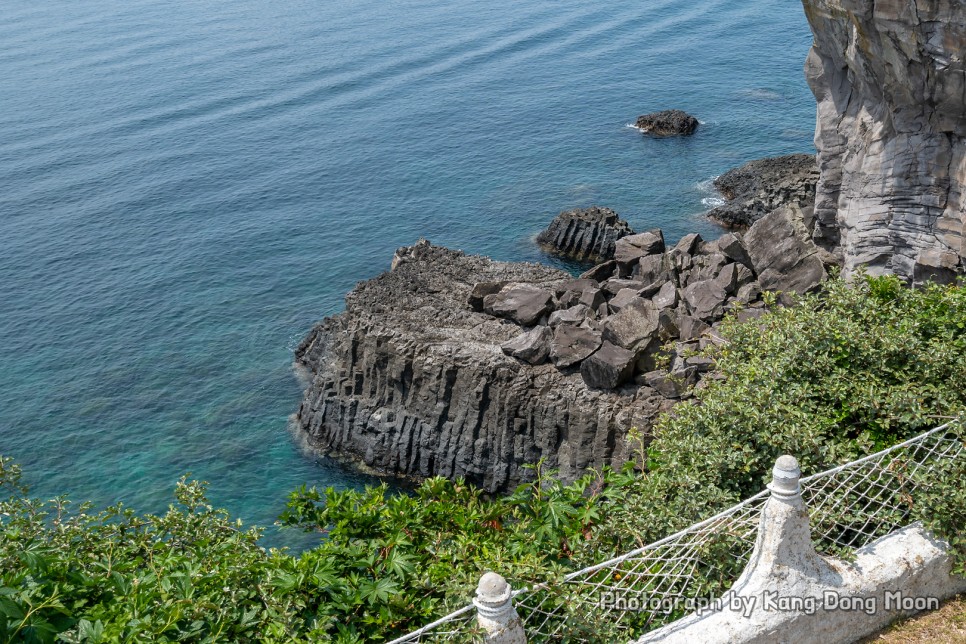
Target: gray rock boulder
628,250
656,269
731,246
609,367
783,253
480,291
571,344
532,346
575,315
705,300
633,327
666,297
525,304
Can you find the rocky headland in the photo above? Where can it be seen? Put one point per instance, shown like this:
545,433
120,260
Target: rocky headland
456,365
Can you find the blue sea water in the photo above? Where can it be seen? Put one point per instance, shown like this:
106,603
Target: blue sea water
185,187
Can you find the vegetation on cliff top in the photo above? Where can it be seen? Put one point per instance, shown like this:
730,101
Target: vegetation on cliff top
853,370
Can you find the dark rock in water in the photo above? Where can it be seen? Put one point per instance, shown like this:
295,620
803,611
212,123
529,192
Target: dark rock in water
585,234
667,123
783,253
608,368
523,303
761,186
412,382
532,346
571,344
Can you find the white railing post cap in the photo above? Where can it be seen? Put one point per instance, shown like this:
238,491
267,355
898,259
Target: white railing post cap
493,596
785,477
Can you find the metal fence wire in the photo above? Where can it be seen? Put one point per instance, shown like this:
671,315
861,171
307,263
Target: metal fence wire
849,507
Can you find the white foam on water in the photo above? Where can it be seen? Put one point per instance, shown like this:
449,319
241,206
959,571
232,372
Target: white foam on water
712,202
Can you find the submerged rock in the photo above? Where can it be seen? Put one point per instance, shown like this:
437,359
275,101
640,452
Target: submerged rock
667,123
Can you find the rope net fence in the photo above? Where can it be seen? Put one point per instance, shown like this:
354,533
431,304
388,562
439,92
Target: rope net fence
849,506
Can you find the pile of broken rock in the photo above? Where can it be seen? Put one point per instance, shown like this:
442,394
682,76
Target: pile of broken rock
643,314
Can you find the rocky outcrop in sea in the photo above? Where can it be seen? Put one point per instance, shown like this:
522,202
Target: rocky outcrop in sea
890,81
585,234
667,123
758,187
456,365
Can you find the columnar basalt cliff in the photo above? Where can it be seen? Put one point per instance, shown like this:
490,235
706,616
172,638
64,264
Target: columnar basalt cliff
412,381
891,133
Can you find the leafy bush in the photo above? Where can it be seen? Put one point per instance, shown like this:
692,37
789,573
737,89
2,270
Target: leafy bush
842,374
835,377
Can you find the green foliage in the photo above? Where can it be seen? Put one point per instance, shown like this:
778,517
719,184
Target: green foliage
426,550
838,376
835,377
940,502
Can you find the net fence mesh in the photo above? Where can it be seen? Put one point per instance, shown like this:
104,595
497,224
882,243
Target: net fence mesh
849,506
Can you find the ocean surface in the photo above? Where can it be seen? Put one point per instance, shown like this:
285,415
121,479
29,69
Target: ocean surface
186,187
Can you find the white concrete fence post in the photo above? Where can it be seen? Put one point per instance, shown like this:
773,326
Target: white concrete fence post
495,612
790,593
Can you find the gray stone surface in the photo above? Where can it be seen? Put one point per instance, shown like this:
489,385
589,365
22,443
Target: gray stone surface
574,315
630,249
633,327
783,253
523,303
571,344
705,299
533,346
609,367
891,133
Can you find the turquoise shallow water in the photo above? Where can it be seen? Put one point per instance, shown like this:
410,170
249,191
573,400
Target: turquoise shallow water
186,187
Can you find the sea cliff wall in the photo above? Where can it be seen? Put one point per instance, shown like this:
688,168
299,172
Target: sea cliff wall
889,79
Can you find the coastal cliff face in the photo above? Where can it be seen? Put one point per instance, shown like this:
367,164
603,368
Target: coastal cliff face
411,381
889,79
